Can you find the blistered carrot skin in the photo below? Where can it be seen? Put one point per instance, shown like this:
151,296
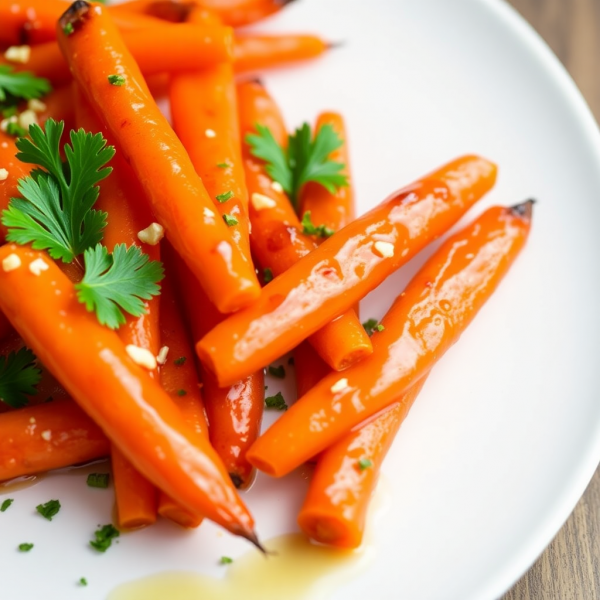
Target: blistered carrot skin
347,266
91,362
277,240
71,438
253,51
179,379
422,324
335,507
177,196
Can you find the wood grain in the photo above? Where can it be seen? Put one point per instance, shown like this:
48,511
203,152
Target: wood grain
569,569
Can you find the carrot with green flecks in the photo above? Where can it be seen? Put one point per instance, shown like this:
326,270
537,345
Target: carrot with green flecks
123,200
343,269
277,239
422,324
116,89
130,407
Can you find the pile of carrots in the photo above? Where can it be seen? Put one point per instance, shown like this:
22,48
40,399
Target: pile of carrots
184,433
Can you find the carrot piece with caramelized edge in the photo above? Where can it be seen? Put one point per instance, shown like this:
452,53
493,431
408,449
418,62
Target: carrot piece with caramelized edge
422,324
117,91
179,379
48,436
335,508
341,271
254,51
96,370
277,239
158,49
123,200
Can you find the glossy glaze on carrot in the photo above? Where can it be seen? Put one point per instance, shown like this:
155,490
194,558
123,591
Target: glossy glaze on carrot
347,266
178,198
422,324
91,362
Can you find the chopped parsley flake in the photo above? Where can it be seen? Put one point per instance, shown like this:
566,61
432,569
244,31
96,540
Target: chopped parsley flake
98,480
6,504
224,197
181,392
364,463
48,510
372,325
83,581
267,275
278,371
104,537
179,361
308,228
223,165
25,547
225,560
231,221
116,80
276,402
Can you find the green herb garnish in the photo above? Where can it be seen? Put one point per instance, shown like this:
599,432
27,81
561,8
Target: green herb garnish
18,377
276,402
372,325
179,361
104,537
21,85
25,547
6,504
309,228
48,510
224,197
116,80
225,560
278,371
231,221
364,463
98,480
267,275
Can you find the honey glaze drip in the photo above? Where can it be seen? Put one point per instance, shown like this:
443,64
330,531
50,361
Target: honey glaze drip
295,569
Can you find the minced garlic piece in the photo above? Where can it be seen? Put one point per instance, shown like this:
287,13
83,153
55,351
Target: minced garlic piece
161,359
260,201
384,249
36,105
18,54
277,187
339,386
141,356
152,234
27,118
5,122
11,262
37,266
210,133
3,174
47,435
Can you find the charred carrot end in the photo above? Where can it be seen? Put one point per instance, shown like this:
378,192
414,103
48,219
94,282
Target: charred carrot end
96,51
351,467
422,324
335,276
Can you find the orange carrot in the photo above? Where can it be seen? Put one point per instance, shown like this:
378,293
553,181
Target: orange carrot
5,326
123,200
335,508
96,370
177,195
423,323
335,276
254,51
59,106
179,379
277,239
157,49
69,437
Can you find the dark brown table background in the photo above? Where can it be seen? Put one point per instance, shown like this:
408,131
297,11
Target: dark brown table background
569,568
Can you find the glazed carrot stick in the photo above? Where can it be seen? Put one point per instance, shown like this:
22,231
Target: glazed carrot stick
177,195
179,379
130,407
344,269
335,508
422,324
310,368
58,106
69,437
157,49
232,12
34,21
254,51
14,170
122,198
277,239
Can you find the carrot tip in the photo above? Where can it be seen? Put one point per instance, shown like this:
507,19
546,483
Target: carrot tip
524,209
75,14
252,537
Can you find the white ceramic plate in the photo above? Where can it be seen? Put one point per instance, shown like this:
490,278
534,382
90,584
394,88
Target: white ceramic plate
506,433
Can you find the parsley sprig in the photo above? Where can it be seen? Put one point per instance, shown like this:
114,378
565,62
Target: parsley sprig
18,377
305,159
21,85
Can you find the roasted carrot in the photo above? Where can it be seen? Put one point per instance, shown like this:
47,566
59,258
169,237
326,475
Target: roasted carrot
342,484
422,324
158,49
130,407
254,51
5,326
178,198
332,278
58,106
277,239
34,21
310,368
48,436
122,198
179,379
232,12
13,170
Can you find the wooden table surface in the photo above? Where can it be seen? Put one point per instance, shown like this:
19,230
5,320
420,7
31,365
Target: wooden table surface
569,569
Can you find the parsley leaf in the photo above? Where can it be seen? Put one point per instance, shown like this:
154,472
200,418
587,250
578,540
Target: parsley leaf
18,377
104,537
98,480
83,581
23,85
306,158
55,213
277,402
48,510
226,560
6,504
118,281
308,228
371,326
25,547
